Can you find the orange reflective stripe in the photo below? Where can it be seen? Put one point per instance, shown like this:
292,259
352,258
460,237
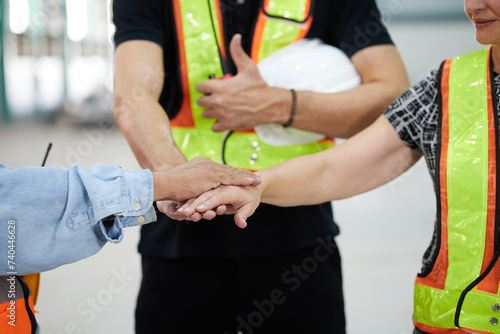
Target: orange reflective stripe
185,116
262,18
490,283
437,330
258,34
307,26
22,322
437,277
222,43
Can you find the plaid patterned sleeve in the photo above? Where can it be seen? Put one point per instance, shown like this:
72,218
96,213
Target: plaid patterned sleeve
414,116
415,113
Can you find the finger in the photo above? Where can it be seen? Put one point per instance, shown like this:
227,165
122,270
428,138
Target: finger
209,215
257,180
241,215
210,113
204,101
211,201
239,177
229,175
219,126
169,209
196,217
186,203
208,87
174,215
221,209
240,58
190,206
229,210
240,220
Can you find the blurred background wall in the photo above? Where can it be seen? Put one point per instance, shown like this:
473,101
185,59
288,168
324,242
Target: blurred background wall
56,86
56,59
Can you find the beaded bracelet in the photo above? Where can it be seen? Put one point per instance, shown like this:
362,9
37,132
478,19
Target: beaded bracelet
293,109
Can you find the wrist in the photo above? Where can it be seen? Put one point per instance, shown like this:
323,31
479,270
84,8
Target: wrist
261,188
173,161
279,105
162,187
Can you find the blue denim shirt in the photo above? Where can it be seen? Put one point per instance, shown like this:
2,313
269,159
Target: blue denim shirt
53,216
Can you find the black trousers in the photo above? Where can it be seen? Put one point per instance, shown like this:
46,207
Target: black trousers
299,292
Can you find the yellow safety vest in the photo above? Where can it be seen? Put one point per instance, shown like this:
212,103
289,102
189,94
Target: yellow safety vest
201,45
460,293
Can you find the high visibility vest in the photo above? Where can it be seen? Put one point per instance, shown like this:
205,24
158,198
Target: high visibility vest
460,294
201,46
17,314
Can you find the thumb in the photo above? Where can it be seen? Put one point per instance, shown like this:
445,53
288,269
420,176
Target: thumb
240,220
239,56
241,215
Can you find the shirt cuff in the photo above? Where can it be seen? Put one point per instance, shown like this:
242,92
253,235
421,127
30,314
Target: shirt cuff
137,205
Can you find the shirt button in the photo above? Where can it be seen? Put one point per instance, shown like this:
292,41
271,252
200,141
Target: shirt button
495,307
494,321
140,220
137,206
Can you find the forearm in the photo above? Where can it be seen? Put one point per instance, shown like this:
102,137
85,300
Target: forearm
147,129
59,214
138,83
368,160
342,115
346,113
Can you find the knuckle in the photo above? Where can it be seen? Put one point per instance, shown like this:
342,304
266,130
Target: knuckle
222,103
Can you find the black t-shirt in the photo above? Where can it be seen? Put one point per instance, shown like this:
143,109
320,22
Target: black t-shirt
349,25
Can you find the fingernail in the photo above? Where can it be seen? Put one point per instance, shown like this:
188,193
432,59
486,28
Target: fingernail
257,174
201,207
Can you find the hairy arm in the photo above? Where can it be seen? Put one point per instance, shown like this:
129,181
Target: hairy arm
139,79
346,113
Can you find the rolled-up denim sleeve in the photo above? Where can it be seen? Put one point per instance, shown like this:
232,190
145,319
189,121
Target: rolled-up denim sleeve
58,216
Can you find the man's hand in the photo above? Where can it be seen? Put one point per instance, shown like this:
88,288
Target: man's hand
196,177
245,100
240,201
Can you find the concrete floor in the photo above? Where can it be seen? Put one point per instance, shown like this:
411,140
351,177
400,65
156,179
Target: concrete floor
384,232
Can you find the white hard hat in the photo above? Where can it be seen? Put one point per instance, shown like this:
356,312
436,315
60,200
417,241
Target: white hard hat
307,64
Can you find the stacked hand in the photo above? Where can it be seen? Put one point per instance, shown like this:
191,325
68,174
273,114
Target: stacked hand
184,184
238,200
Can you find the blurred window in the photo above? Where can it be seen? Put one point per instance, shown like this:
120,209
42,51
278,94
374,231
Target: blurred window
422,9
